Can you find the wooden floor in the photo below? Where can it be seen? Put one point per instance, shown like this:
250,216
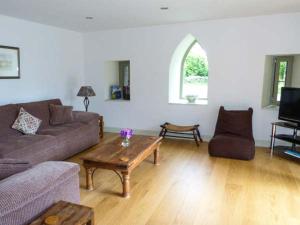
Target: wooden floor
189,187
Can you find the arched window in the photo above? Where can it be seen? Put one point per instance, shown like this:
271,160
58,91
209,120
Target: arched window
188,73
194,73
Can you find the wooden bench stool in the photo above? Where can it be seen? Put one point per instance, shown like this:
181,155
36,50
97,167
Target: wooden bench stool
189,132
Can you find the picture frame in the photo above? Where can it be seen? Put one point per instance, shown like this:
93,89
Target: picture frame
9,62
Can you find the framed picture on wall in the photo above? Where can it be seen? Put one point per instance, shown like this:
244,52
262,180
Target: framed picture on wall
9,62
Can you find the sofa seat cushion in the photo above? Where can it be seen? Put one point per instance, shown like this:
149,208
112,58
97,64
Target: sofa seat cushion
32,148
58,130
231,146
73,137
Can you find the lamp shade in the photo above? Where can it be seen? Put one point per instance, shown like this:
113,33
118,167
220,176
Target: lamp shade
86,91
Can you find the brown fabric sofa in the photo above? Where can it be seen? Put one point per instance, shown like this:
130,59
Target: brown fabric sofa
51,142
233,136
25,195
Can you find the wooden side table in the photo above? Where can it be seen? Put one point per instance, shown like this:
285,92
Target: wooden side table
101,126
66,213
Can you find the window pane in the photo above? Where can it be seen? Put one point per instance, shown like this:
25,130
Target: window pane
195,73
282,71
280,84
195,86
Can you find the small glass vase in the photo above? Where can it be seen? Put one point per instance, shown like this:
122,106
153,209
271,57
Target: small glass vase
125,142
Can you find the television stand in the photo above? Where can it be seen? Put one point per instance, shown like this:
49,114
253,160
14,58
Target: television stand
291,138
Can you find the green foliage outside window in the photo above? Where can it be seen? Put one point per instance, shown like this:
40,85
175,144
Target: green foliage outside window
195,66
282,71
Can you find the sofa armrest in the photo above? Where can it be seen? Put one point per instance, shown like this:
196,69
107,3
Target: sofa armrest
25,195
85,117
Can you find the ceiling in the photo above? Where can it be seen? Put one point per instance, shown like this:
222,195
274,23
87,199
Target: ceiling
114,14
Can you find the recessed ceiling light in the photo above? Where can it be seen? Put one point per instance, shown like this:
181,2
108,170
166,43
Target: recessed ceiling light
164,8
89,17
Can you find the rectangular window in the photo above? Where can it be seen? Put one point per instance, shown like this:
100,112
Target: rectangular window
282,76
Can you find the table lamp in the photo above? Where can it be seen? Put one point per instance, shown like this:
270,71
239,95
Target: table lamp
86,92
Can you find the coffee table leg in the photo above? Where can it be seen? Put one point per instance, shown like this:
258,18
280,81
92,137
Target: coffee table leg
156,156
126,184
89,178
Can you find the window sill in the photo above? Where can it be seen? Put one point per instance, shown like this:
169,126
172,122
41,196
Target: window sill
117,100
271,107
185,102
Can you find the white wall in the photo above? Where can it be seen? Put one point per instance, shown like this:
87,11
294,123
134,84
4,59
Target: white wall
51,62
52,66
296,71
236,50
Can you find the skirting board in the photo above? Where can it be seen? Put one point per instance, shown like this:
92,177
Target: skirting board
206,138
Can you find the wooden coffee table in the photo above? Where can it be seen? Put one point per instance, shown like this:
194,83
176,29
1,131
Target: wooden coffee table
122,160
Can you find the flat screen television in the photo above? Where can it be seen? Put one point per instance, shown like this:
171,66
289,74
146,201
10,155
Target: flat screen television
289,108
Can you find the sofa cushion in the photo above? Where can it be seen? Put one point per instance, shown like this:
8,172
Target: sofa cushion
26,123
86,117
32,148
8,114
231,146
40,109
73,137
9,167
60,114
61,129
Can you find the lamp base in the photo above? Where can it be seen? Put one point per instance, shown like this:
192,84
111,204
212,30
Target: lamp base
86,103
